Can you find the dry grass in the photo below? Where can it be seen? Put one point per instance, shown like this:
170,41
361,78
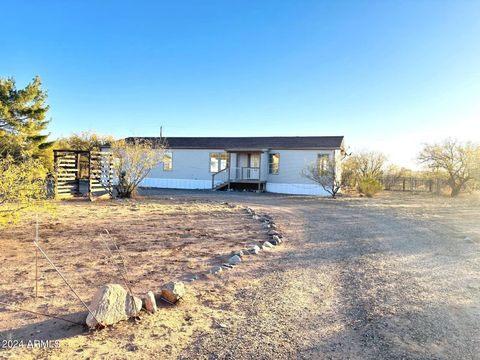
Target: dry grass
161,241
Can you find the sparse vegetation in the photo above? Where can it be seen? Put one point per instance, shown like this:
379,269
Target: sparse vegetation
86,140
363,165
132,163
458,162
363,171
325,174
370,186
22,187
25,152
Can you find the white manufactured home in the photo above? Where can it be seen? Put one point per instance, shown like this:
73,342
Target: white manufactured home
272,164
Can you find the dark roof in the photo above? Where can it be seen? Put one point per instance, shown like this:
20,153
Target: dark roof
276,142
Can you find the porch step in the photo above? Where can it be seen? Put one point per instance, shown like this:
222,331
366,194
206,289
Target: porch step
221,186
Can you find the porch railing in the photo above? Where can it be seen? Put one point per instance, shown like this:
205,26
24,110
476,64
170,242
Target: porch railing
219,177
235,174
245,173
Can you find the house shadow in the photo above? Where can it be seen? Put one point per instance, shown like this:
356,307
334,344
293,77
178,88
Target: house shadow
50,329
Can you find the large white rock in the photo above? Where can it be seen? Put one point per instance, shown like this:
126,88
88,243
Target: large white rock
173,291
111,304
268,245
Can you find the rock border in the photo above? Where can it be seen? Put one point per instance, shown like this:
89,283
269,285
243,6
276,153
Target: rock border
174,291
236,256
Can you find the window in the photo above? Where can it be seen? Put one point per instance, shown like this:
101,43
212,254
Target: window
168,161
322,163
273,163
218,162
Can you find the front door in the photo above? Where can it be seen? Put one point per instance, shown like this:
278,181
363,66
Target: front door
253,166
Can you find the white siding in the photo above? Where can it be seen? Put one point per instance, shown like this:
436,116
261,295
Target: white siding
291,164
289,179
191,170
187,164
296,189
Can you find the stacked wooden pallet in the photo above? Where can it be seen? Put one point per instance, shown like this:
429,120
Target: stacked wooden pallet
66,174
101,174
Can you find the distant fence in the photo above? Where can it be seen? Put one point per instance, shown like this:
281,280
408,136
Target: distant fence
414,184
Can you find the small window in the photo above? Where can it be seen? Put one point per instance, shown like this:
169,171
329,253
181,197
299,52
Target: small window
273,163
168,161
218,162
322,163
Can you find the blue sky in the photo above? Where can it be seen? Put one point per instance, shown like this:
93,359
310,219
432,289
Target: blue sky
388,75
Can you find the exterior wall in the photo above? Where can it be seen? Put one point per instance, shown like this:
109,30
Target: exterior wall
289,179
264,166
191,170
233,164
292,163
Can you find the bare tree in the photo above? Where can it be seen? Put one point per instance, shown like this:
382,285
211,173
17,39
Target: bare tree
363,165
325,174
458,161
86,140
133,160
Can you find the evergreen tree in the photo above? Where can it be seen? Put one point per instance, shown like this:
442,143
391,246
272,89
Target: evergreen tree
22,120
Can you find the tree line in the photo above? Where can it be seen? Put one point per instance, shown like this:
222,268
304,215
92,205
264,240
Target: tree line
26,153
455,162
26,156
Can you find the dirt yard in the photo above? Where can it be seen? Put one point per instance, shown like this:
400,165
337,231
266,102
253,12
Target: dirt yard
160,241
396,276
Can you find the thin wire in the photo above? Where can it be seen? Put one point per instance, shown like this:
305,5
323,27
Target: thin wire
123,275
124,272
17,308
66,282
36,258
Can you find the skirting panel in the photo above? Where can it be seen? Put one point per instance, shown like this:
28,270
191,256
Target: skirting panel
281,188
296,189
177,183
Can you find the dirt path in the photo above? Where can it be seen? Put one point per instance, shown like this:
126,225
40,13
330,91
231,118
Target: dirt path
387,278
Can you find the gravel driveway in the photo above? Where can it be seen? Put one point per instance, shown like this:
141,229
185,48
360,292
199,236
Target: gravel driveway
393,277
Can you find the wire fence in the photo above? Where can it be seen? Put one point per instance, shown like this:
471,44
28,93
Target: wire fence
413,184
418,184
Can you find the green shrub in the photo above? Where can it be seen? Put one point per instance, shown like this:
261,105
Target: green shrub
369,186
22,187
